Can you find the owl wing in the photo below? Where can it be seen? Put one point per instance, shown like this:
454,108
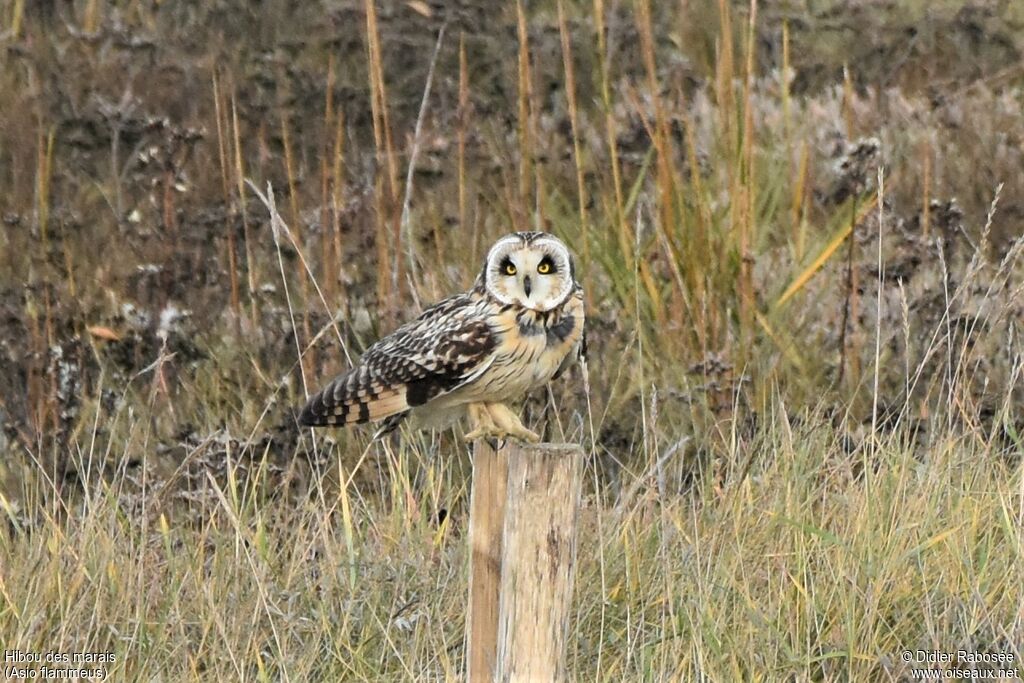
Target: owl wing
448,345
579,353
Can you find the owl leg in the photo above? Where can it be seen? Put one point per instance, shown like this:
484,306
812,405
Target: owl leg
483,425
508,423
496,420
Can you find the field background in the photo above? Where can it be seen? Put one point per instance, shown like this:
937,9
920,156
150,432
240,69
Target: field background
798,228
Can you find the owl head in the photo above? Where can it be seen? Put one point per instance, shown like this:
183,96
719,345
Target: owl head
530,269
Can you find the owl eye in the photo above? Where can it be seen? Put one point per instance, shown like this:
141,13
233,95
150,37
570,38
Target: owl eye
545,266
510,269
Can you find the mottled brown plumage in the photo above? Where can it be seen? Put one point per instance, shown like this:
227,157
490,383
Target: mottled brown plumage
512,332
432,355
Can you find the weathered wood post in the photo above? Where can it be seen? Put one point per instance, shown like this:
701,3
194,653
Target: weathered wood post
486,525
538,561
524,507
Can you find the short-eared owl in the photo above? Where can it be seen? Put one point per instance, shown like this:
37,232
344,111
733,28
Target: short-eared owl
520,326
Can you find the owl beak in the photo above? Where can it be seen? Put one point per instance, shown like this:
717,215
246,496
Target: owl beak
526,286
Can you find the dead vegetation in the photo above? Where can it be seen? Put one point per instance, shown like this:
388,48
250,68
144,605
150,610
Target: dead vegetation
803,421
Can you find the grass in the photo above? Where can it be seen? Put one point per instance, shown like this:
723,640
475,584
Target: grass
811,560
802,418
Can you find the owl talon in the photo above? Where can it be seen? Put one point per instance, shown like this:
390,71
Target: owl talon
483,425
494,436
478,434
528,436
495,420
509,422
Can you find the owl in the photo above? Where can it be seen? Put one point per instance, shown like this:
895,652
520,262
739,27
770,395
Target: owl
520,326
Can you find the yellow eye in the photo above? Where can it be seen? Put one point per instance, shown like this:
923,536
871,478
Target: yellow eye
510,269
544,268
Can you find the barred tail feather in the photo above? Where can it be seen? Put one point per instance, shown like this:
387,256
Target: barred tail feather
347,401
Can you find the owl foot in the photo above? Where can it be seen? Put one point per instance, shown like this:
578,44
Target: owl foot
497,421
483,425
509,423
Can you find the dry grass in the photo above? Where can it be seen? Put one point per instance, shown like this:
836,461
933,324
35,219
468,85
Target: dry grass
810,560
802,418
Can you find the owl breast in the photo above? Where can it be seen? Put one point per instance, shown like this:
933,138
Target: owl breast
533,346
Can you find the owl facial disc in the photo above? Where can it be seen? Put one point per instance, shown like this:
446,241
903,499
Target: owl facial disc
529,269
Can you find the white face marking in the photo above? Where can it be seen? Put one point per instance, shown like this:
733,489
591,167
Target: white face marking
536,276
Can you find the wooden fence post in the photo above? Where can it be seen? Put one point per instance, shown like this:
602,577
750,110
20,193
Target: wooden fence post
538,560
486,523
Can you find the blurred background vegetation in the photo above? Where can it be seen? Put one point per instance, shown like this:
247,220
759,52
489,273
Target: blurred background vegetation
714,165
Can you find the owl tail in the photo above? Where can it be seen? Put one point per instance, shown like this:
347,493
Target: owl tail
353,399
